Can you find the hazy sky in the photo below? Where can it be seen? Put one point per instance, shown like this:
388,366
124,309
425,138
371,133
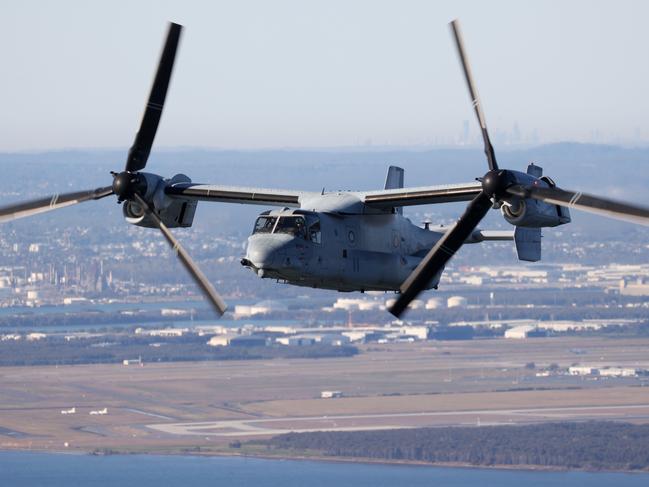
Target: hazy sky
254,74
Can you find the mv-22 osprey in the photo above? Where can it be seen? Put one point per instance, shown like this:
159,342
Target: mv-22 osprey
347,241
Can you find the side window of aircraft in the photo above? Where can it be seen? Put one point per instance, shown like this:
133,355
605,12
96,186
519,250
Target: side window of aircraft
314,232
293,225
265,224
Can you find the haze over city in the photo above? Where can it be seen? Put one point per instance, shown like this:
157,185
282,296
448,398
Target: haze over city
260,74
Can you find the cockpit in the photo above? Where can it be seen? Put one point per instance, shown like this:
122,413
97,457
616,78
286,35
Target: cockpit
307,228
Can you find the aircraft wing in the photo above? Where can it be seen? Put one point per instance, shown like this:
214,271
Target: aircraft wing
424,195
236,194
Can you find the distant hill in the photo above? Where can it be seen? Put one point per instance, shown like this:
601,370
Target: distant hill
615,171
338,168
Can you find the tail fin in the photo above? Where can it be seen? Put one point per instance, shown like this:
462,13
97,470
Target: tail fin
528,243
394,180
528,240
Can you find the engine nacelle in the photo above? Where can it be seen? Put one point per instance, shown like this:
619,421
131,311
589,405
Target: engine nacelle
529,212
532,213
173,212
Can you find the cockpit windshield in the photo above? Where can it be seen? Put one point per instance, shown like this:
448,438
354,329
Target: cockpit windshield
265,224
293,225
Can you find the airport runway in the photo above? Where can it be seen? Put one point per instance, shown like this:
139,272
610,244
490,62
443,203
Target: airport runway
369,422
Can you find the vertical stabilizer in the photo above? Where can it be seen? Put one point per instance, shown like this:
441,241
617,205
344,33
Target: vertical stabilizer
394,180
528,243
534,170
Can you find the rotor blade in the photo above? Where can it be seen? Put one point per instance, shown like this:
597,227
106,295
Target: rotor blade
49,203
584,202
139,151
441,253
473,92
187,261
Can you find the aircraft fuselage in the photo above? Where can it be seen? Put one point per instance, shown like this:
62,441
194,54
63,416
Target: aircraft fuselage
346,247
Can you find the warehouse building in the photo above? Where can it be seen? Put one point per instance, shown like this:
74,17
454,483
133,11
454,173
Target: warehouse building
524,331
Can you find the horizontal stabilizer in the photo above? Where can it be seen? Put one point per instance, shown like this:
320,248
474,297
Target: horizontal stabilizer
489,236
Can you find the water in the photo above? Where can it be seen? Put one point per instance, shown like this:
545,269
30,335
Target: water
58,470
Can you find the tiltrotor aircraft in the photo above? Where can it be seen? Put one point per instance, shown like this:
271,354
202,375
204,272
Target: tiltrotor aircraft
346,241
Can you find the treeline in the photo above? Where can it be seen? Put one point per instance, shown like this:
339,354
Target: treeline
590,445
114,349
91,319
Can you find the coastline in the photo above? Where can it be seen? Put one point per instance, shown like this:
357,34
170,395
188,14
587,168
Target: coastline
324,459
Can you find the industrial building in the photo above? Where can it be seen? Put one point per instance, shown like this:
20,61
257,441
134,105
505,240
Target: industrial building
260,308
238,341
525,331
350,304
604,371
163,332
456,302
637,288
331,394
134,361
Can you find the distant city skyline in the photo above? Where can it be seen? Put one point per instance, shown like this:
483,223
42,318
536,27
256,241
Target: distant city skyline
291,74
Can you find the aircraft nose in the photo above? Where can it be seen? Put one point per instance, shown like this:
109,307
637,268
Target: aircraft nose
264,251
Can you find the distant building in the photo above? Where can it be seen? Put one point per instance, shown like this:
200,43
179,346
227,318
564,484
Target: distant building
471,280
331,394
453,332
618,372
286,330
456,302
390,302
356,335
565,325
249,341
164,332
135,361
238,341
603,371
263,307
10,336
582,370
212,330
350,304
434,303
220,340
174,312
333,339
524,331
638,288
35,336
418,332
296,340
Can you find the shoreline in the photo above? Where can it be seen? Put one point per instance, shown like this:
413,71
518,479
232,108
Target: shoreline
329,459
